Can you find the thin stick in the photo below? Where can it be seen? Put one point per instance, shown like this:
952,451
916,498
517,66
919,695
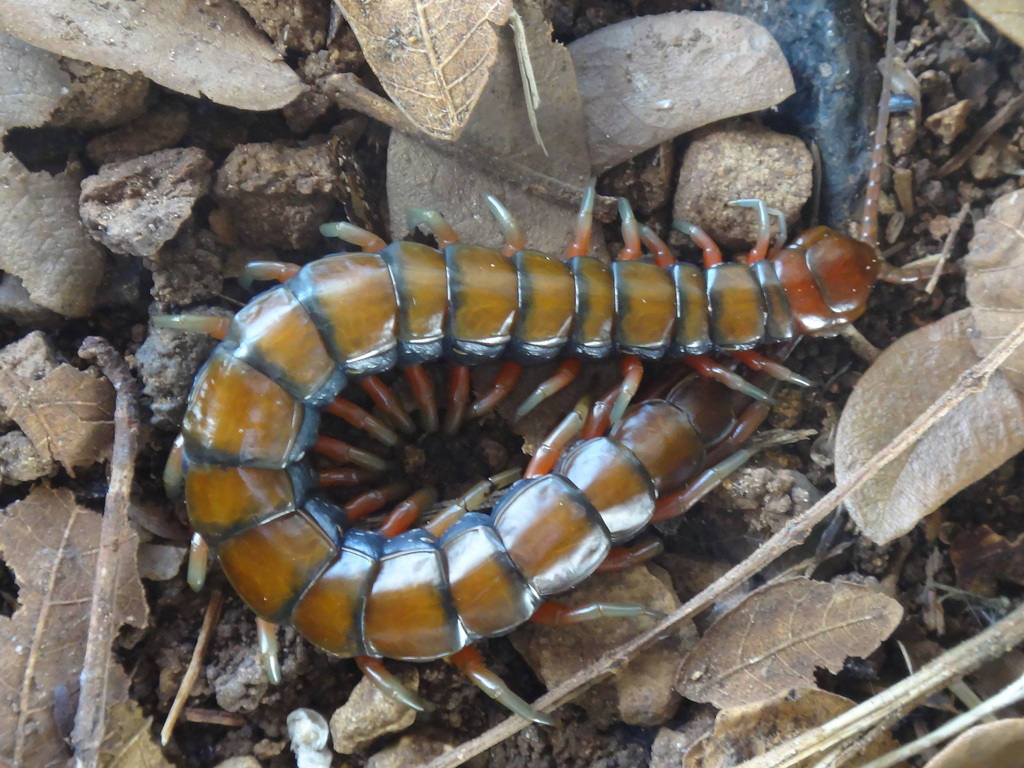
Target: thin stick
984,133
104,619
947,247
195,663
974,379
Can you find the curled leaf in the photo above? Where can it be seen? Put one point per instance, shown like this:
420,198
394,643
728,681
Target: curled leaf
994,745
202,49
776,637
432,58
994,268
974,438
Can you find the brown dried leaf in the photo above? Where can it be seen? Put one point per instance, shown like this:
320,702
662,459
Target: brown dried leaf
993,745
51,545
1005,15
128,743
994,268
696,68
42,240
753,729
775,638
68,414
982,557
198,48
419,176
977,436
431,56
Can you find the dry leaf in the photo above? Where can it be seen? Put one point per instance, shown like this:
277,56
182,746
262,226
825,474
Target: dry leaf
432,57
1005,15
128,743
982,557
419,176
977,436
748,731
67,415
994,268
775,638
42,240
199,48
51,544
993,745
696,68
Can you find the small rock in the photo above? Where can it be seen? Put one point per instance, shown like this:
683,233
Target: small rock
99,97
298,25
239,762
168,361
949,123
20,462
160,128
160,562
17,306
642,693
409,752
136,206
280,195
902,134
30,358
668,749
369,714
188,269
741,161
307,730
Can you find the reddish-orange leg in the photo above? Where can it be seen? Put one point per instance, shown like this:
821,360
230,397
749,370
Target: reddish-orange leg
547,454
504,382
471,663
388,402
709,369
458,397
378,674
361,419
423,394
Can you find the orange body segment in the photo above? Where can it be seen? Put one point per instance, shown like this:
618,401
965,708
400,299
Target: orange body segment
736,307
420,278
546,299
271,565
665,441
225,500
483,299
237,415
595,307
645,308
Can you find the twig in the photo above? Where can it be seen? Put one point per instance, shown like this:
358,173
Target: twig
348,93
195,663
947,247
90,719
983,134
974,379
969,655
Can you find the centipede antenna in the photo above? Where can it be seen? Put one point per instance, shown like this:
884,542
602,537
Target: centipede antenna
434,223
580,245
514,238
266,633
630,232
760,249
712,254
350,233
471,663
869,221
198,562
211,325
390,685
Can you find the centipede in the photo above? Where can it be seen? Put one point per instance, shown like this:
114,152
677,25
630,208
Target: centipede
612,466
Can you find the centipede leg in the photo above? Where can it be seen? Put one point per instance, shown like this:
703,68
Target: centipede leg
558,614
388,402
273,271
344,454
350,233
514,238
174,469
198,562
361,419
435,223
632,375
458,397
390,685
624,558
764,233
663,255
471,663
369,502
567,370
546,455
401,518
580,245
599,420
472,499
631,249
709,369
344,477
712,253
266,634
211,325
758,362
423,392
504,382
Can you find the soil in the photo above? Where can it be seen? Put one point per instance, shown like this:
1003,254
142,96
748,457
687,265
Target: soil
954,58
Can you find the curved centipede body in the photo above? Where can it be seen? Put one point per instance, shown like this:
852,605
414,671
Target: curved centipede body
430,592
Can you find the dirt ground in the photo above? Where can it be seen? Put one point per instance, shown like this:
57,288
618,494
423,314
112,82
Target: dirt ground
233,711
